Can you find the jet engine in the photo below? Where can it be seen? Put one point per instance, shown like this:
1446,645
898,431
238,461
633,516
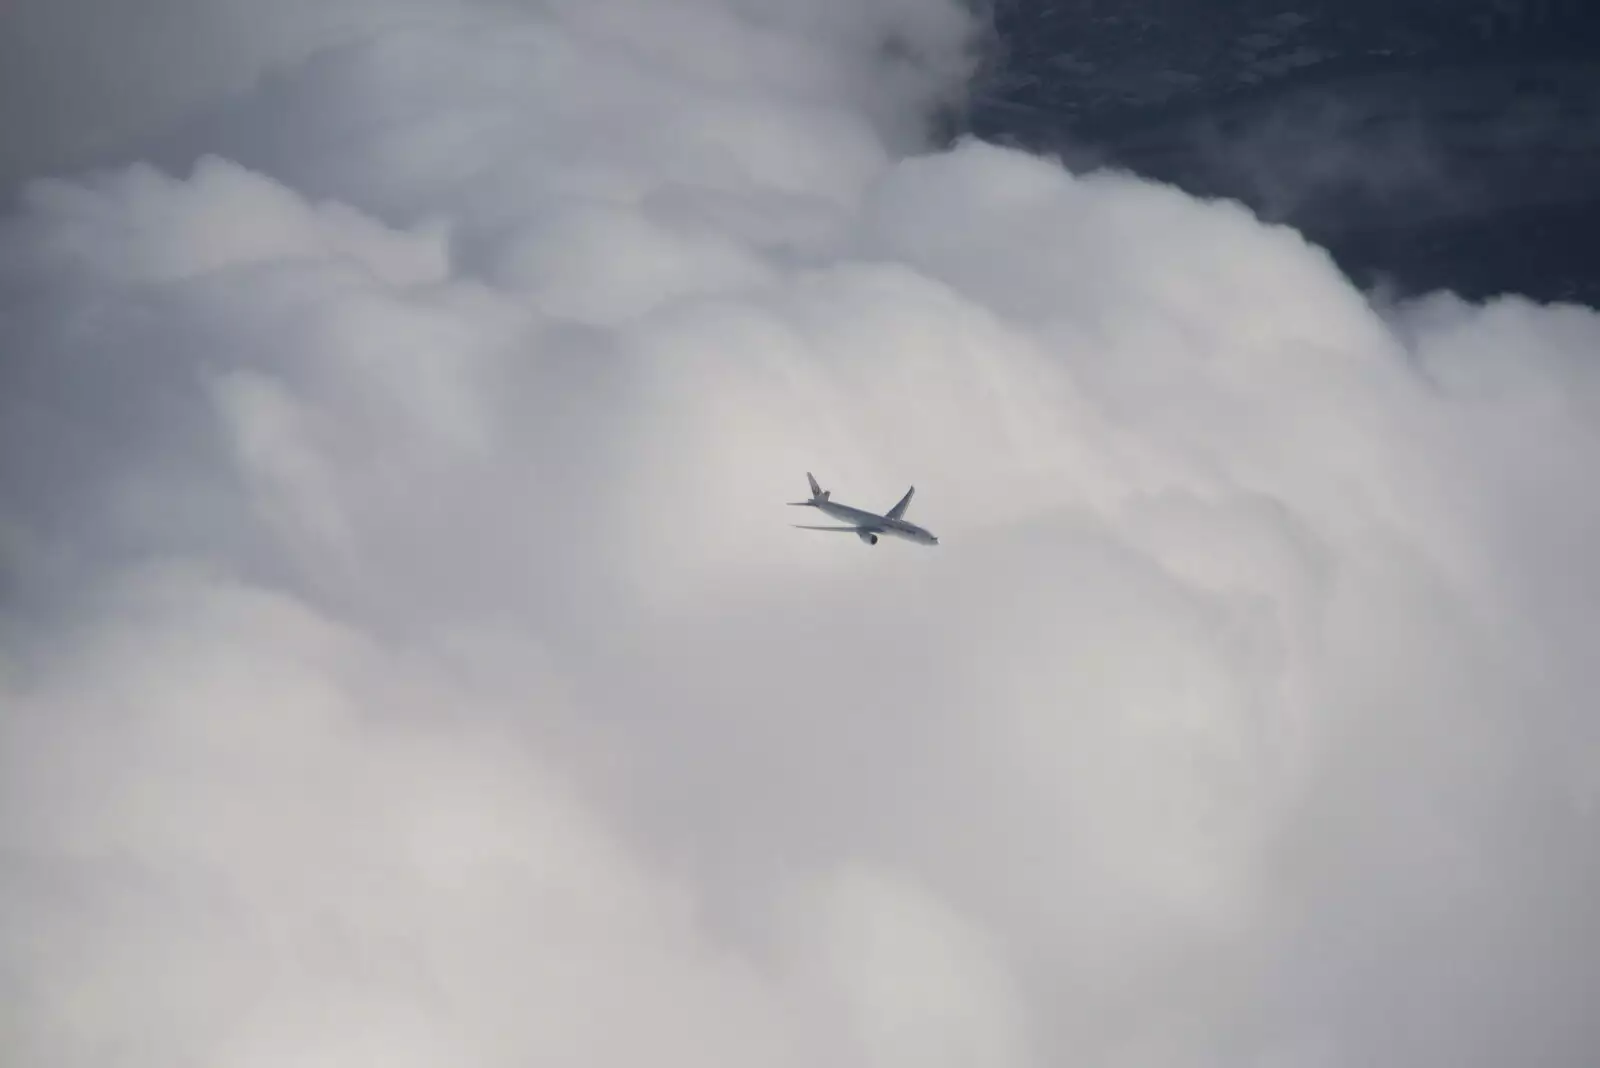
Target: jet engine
870,539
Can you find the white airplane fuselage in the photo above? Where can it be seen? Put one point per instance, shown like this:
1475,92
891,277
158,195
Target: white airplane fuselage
873,523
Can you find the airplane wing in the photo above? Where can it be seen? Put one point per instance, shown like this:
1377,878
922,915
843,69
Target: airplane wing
900,509
842,530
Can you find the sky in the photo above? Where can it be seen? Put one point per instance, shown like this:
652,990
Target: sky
405,658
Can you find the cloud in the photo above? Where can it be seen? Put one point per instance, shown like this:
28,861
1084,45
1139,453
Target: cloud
406,660
85,82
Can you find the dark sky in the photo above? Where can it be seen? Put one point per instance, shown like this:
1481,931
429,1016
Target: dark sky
1427,144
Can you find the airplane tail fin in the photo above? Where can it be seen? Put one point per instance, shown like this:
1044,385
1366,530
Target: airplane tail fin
817,492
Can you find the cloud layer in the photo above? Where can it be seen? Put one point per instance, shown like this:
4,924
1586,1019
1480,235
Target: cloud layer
406,660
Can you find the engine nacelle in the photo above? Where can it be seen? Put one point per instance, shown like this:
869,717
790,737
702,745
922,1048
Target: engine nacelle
869,538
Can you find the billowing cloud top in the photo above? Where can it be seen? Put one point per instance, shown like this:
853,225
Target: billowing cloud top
406,660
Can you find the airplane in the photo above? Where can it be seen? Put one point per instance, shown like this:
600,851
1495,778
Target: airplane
867,526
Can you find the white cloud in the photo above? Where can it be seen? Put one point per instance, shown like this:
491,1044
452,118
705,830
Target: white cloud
919,984
84,80
407,661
